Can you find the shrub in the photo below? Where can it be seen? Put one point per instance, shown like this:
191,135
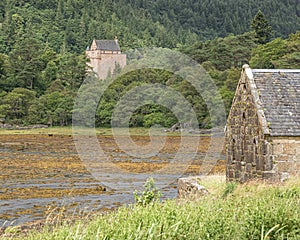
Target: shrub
150,194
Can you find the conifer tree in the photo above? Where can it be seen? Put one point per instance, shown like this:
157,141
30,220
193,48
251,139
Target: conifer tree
262,28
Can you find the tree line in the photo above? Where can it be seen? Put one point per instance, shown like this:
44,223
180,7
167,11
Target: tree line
42,43
42,87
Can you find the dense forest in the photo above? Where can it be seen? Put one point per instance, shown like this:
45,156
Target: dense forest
71,25
42,43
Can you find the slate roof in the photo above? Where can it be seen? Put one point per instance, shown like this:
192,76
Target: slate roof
279,95
110,45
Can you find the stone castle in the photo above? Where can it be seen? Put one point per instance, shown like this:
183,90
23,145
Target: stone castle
105,56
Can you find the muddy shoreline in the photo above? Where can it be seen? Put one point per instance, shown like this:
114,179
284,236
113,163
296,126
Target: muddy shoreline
43,177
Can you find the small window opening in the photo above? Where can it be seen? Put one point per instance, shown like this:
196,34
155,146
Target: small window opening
244,115
233,149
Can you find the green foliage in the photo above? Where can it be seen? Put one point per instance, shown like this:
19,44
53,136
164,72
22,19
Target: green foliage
223,53
53,108
262,28
25,64
278,53
263,55
291,58
15,105
292,192
71,25
229,189
150,113
253,211
3,66
159,118
149,195
42,45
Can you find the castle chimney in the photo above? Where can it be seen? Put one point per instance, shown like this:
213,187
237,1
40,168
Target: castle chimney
116,39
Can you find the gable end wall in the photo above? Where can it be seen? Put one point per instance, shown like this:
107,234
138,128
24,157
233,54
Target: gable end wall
249,153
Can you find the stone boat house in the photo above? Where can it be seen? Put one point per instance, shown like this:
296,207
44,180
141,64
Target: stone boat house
104,56
263,126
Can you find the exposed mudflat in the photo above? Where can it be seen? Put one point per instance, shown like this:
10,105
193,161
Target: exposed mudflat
43,178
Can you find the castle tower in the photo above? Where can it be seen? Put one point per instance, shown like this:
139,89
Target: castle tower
104,56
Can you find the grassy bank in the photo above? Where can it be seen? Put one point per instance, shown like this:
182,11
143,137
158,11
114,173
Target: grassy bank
99,131
250,211
50,130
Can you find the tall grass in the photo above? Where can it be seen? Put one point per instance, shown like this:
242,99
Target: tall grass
249,211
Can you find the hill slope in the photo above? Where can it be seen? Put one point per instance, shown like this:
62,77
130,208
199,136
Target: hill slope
71,25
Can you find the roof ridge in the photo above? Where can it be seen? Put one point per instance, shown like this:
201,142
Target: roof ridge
107,44
105,40
276,70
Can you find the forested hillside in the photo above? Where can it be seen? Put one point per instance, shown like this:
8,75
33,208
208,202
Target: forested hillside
71,25
42,43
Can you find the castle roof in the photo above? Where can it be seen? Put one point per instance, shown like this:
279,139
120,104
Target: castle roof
110,45
277,96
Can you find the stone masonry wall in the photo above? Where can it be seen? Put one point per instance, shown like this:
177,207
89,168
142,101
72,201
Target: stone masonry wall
108,63
249,154
286,154
102,63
